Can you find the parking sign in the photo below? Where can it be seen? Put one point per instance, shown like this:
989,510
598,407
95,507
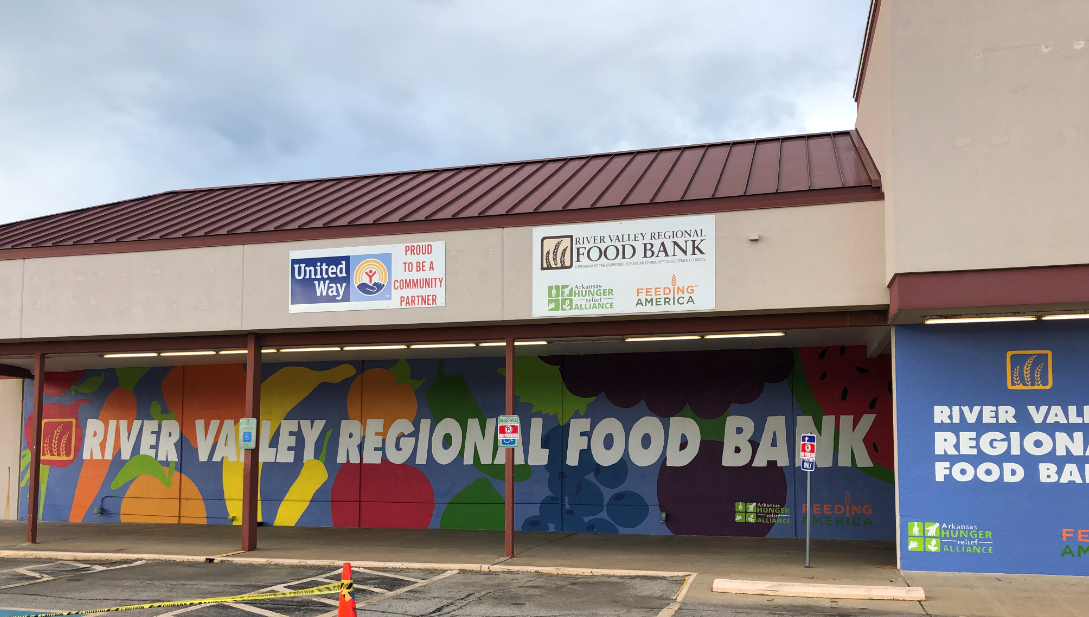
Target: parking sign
808,452
509,431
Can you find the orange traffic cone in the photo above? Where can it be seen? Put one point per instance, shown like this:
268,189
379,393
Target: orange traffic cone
347,593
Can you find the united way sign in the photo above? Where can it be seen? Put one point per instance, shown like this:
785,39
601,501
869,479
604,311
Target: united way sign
368,277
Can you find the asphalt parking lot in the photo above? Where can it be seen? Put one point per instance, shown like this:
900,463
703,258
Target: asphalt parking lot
32,586
27,586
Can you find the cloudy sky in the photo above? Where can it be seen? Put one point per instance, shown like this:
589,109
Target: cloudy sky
104,100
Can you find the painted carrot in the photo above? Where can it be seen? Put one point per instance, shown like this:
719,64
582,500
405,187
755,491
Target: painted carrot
119,405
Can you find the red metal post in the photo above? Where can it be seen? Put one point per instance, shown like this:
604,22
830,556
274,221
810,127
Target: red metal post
35,446
508,533
251,474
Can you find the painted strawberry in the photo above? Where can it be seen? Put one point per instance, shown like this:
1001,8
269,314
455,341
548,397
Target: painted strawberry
844,382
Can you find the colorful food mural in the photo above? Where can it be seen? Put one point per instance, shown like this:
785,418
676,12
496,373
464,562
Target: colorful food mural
695,443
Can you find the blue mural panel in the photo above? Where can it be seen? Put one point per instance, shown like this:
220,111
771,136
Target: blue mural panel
991,437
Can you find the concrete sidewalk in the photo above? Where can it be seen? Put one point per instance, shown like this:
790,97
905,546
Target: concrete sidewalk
770,559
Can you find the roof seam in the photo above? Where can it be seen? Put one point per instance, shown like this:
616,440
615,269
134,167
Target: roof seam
559,188
619,174
589,181
665,177
642,175
695,170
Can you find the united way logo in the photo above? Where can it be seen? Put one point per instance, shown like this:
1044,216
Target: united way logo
370,276
556,253
1028,370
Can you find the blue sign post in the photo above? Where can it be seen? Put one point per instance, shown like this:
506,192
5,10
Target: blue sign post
808,456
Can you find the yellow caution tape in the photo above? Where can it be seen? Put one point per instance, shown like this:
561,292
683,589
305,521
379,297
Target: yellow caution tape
313,591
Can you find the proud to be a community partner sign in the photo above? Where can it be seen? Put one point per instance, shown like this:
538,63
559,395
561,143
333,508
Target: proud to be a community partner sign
641,266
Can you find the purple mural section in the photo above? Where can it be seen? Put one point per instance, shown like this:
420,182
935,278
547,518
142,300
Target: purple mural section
694,443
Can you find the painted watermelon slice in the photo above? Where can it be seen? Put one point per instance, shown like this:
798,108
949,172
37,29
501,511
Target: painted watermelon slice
842,381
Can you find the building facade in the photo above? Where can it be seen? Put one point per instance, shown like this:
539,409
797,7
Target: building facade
675,318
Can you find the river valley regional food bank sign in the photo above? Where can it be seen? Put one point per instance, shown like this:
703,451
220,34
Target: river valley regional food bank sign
641,266
368,277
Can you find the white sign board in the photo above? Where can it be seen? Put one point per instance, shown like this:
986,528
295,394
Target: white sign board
510,433
659,265
808,452
390,276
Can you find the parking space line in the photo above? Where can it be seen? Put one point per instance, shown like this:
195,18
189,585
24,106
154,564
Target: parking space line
42,578
396,592
255,610
386,574
277,587
31,573
678,597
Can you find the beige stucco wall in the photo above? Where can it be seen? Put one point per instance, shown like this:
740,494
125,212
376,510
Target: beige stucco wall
193,290
989,132
11,298
813,257
11,413
874,123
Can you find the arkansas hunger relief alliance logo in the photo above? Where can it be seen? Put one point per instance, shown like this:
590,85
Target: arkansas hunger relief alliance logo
758,512
371,277
944,537
924,537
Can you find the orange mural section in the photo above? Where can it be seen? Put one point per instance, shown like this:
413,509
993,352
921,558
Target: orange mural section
380,396
118,413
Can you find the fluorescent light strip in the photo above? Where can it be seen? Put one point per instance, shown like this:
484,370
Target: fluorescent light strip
187,353
646,339
232,351
944,320
530,342
493,344
441,345
375,347
745,335
1066,316
130,355
517,343
311,349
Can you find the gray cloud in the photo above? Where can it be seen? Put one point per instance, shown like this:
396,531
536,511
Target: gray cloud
101,101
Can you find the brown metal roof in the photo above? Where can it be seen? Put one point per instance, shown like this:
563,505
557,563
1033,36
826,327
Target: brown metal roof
785,171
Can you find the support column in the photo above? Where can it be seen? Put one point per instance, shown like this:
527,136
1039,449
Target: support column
251,474
35,445
508,534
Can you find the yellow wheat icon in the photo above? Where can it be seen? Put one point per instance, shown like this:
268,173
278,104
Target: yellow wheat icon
1025,370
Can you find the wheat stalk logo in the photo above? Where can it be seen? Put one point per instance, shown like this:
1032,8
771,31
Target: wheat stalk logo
54,443
674,280
1036,381
1028,368
552,255
1017,375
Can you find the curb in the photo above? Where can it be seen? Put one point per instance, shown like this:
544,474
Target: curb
819,590
272,561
